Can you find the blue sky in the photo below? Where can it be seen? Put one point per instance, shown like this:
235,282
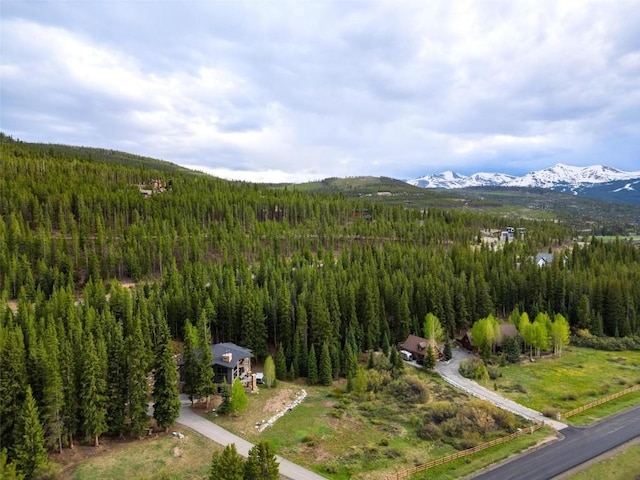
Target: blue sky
299,90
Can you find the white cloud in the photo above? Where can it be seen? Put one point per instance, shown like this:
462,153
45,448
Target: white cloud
386,88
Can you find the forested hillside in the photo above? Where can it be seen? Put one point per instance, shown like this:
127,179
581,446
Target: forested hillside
265,268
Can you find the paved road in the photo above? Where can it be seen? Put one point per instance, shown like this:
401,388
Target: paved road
224,437
449,371
579,445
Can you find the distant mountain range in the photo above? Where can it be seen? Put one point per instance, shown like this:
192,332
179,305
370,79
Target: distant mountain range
599,181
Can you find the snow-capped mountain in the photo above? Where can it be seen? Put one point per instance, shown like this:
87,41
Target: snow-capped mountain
560,174
451,179
564,177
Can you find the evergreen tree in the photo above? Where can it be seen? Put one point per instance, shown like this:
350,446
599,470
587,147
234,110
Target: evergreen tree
227,465
385,344
312,367
370,362
137,388
512,349
325,370
8,469
448,354
225,393
166,408
190,368
269,372
430,358
281,364
336,363
238,400
205,387
13,377
261,463
92,409
53,393
116,380
29,450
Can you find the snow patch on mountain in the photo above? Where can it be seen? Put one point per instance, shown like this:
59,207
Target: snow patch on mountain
560,177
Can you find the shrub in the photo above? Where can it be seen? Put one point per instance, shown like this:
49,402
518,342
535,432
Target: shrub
429,431
469,366
550,412
494,373
470,440
438,412
392,453
585,339
410,388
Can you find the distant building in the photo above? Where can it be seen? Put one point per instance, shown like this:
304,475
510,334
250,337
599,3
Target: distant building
507,330
544,259
417,347
230,361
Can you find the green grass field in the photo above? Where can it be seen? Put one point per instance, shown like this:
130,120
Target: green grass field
344,438
164,457
580,376
622,466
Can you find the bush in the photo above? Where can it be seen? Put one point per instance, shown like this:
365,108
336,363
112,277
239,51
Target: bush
429,431
550,412
469,366
410,389
438,412
585,339
494,373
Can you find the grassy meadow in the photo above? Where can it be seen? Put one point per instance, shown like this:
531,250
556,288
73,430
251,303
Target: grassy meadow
622,466
343,436
580,376
164,457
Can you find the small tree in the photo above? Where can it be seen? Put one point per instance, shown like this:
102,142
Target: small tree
359,383
225,393
448,354
512,349
269,372
430,358
238,401
261,463
227,465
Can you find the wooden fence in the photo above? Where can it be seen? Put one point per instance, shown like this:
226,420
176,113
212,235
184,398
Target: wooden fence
463,453
600,401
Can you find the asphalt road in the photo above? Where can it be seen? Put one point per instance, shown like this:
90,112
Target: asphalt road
223,437
578,446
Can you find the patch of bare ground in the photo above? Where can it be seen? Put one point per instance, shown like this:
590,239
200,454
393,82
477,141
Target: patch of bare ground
277,402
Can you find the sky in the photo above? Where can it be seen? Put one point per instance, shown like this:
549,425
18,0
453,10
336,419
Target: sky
301,90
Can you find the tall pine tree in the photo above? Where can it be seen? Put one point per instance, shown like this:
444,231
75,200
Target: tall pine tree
92,400
29,450
166,408
261,463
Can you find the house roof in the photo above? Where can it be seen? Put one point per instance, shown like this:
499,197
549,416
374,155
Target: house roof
415,344
544,257
237,353
506,330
